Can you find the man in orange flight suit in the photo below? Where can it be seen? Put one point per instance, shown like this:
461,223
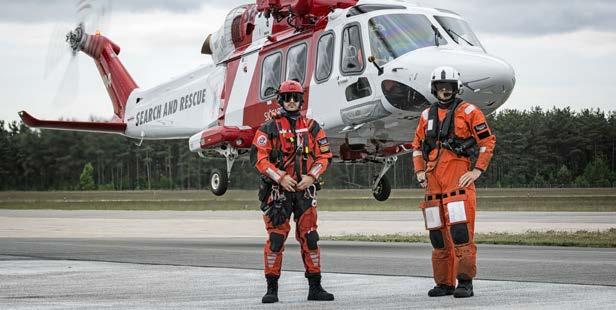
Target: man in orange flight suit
291,152
448,134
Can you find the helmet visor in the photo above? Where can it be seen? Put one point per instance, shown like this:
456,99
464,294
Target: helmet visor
287,97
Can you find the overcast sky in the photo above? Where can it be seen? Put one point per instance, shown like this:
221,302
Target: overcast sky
563,51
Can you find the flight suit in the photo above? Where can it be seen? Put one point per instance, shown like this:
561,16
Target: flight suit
304,150
449,211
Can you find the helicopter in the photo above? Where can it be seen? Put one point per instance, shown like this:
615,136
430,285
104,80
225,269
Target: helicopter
364,65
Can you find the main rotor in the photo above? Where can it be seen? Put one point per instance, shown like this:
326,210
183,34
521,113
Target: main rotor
76,38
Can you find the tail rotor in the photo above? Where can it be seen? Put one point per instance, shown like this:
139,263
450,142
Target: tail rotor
90,15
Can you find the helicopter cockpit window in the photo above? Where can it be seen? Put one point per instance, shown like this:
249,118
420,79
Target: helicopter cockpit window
352,52
394,35
270,75
296,63
459,31
325,57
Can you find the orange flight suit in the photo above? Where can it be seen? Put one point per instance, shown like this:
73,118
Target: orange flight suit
449,211
305,151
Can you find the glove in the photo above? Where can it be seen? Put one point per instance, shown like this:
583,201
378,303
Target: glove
277,213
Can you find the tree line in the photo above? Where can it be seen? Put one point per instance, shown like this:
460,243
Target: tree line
536,147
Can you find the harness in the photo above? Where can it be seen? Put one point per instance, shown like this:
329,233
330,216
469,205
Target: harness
443,135
298,142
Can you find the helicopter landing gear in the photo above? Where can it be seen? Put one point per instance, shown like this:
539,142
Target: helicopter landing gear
219,180
381,188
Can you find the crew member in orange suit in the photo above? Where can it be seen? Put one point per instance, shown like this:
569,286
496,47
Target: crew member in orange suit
453,146
291,152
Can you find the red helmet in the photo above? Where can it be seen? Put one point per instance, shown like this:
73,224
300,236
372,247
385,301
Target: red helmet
290,89
290,86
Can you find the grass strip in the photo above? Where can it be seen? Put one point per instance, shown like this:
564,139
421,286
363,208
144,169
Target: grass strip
581,238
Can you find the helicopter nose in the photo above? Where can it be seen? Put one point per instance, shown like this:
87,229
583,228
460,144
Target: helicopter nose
489,83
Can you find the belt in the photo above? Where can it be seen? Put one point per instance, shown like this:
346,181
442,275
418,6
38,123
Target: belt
443,196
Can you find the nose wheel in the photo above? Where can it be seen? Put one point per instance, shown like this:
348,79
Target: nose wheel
219,180
381,188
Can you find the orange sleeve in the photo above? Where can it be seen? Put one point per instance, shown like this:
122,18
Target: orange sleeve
263,145
322,154
482,133
419,164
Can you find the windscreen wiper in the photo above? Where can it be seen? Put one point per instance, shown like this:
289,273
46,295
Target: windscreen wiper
459,36
437,35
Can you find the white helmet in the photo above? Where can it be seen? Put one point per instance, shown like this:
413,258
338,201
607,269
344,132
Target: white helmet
445,75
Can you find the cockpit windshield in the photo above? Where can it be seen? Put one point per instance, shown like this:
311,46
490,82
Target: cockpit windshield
459,31
394,35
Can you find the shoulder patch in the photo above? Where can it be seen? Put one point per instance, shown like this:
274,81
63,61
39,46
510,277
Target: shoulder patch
424,114
469,109
481,127
262,140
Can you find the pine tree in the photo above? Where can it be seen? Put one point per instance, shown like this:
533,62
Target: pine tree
86,179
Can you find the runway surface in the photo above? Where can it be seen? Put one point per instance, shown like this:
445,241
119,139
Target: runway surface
224,224
35,284
170,260
511,263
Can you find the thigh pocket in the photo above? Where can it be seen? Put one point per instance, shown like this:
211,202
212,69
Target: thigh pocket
432,214
456,209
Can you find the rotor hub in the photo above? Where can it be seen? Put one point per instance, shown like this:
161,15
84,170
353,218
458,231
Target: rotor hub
75,38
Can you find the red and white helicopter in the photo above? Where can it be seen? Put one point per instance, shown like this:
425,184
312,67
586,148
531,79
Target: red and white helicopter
364,65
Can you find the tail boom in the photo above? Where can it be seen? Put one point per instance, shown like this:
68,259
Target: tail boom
118,81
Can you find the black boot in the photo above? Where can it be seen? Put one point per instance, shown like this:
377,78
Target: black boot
464,289
272,290
316,291
441,290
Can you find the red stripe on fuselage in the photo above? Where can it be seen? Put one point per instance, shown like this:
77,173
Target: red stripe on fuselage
256,110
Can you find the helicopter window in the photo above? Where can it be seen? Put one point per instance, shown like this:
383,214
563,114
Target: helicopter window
358,90
394,35
459,31
325,57
352,52
296,63
270,75
367,8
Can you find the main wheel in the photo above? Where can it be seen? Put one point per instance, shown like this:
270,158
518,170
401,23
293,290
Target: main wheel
382,190
219,182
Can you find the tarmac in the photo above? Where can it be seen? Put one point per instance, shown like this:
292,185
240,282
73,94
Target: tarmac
174,260
36,284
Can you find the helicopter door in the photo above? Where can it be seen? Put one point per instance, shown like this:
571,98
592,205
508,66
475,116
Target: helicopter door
342,87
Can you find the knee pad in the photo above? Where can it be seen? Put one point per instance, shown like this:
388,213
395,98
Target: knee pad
459,233
312,238
436,238
276,242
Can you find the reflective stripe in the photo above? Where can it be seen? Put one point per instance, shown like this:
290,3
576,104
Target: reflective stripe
424,114
301,130
315,170
417,154
315,258
469,109
456,212
432,218
483,149
271,259
430,124
273,174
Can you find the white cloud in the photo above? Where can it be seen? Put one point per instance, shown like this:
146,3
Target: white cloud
569,69
552,69
156,45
